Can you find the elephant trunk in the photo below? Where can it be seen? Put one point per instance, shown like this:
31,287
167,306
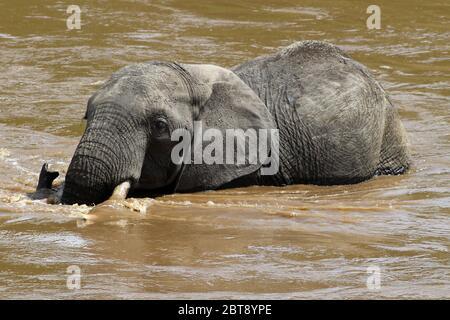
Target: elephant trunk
111,151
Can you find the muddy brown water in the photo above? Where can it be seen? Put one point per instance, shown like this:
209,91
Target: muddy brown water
298,241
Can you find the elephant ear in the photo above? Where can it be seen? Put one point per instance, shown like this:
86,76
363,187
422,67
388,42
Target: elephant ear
226,102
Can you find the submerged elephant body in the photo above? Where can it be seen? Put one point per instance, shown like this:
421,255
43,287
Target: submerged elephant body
336,124
338,120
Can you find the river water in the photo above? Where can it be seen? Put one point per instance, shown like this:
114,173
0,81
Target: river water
294,242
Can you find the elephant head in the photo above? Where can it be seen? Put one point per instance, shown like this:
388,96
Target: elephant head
130,121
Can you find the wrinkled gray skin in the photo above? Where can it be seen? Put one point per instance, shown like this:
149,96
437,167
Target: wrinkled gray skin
337,124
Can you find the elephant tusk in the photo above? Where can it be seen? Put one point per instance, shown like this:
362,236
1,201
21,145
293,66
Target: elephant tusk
121,191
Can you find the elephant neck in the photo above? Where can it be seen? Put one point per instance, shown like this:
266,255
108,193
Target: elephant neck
297,154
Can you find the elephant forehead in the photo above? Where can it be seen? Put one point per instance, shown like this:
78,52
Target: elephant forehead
160,88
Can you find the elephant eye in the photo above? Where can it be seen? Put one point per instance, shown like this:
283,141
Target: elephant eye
160,128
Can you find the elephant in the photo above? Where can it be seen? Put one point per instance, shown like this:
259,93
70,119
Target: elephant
335,123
